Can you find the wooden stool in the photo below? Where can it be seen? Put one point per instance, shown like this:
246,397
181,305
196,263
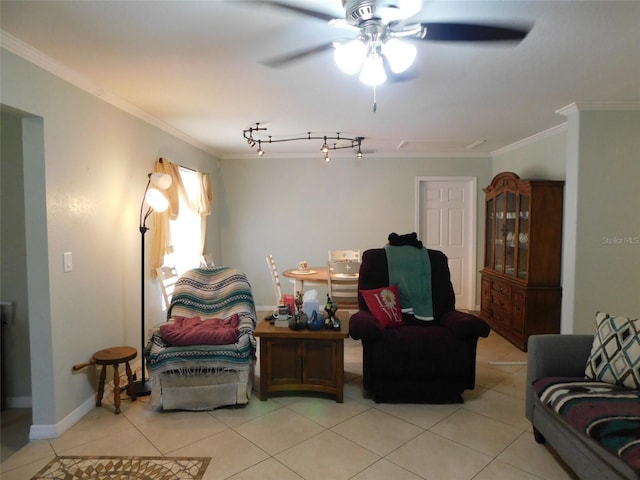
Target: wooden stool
113,356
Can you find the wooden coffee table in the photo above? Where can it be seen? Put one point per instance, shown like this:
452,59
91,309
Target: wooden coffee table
301,360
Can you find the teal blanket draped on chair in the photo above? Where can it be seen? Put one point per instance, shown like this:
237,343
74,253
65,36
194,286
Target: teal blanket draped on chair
410,270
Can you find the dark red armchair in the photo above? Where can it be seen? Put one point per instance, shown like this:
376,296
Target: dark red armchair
421,361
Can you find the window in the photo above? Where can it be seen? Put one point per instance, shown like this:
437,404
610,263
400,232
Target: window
186,230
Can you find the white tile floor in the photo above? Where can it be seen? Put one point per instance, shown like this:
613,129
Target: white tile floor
306,437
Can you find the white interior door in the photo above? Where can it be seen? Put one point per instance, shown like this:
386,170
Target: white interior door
446,221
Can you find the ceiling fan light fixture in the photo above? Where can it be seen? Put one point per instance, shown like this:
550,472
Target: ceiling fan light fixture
400,55
349,56
372,72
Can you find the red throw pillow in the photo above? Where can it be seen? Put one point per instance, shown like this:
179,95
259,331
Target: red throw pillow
384,304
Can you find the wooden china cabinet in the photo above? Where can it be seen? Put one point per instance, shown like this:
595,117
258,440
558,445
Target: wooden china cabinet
521,292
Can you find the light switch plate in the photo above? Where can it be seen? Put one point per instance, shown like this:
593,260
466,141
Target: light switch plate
67,262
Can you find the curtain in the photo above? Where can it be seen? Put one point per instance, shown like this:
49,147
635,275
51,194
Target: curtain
200,202
205,203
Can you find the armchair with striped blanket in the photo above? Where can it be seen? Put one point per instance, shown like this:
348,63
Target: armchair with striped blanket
207,374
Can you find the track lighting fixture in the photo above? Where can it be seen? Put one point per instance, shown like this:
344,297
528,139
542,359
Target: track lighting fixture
325,147
251,134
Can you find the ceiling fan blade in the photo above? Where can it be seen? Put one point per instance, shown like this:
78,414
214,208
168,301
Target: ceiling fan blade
469,32
283,60
304,11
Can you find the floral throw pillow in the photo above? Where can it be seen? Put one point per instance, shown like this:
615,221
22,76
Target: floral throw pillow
615,352
384,304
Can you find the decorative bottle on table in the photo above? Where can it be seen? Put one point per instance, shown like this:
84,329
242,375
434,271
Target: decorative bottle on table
299,320
331,322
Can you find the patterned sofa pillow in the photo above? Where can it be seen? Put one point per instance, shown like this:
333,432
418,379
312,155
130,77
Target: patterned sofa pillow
615,352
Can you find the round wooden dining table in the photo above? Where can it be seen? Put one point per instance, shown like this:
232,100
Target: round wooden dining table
318,276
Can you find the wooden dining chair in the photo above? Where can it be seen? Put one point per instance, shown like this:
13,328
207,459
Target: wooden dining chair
344,256
343,266
343,290
275,278
168,276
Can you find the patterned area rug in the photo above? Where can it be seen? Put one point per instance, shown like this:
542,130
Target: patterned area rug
124,468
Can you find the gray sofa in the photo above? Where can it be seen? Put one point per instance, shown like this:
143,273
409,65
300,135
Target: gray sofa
566,356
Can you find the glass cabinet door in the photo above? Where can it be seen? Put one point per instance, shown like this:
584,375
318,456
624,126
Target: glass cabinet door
499,233
523,236
510,234
488,244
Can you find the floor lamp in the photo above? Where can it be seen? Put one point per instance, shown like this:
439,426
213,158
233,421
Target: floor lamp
155,200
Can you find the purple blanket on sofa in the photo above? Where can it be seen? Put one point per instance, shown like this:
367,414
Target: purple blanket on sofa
607,413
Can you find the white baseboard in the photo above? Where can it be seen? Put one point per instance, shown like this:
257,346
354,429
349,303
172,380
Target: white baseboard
42,432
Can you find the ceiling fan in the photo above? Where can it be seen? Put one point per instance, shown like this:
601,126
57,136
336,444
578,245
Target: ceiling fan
380,49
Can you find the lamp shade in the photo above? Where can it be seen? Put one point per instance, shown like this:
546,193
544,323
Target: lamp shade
156,200
373,70
160,180
400,55
349,56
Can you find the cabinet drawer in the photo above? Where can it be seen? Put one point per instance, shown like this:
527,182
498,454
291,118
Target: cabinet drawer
499,300
501,288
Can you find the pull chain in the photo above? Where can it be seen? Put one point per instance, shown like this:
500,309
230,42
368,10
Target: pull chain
375,102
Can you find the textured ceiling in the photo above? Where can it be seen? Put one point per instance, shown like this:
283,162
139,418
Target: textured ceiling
196,67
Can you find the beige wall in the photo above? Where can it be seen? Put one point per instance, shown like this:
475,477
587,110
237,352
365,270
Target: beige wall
16,382
543,157
85,166
602,217
298,208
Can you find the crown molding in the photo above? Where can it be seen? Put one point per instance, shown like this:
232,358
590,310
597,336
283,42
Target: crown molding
532,139
599,106
38,58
